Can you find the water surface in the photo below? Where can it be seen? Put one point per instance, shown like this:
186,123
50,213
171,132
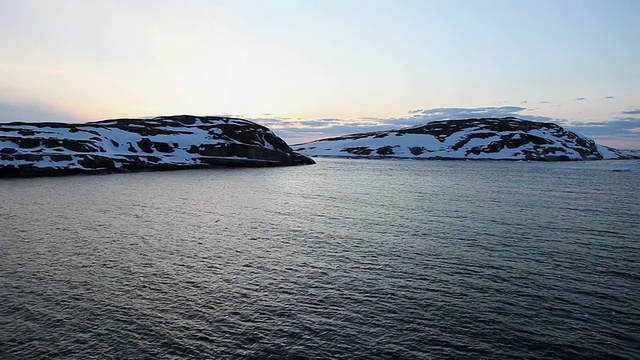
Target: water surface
343,259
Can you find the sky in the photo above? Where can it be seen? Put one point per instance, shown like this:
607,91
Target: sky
311,69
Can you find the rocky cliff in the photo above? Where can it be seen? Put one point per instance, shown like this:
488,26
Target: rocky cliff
488,138
161,143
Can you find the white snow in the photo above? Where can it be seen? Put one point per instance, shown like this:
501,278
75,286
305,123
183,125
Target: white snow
433,147
99,138
607,153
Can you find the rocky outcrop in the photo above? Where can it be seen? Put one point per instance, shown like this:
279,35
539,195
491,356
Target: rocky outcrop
121,145
488,138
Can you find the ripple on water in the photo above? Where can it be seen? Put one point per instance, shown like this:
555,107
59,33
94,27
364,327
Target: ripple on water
339,260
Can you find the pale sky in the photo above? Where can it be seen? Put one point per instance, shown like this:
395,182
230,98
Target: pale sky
313,68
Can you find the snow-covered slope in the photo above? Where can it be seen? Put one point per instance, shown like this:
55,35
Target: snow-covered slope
488,138
161,143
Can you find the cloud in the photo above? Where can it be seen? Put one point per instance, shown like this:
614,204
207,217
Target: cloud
624,128
300,131
33,111
632,112
423,116
464,113
609,97
296,131
580,99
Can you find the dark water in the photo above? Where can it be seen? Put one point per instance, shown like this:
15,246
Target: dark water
344,259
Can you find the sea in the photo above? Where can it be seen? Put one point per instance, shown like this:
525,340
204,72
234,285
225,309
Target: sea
345,259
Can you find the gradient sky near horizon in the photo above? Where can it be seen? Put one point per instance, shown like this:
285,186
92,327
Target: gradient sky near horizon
309,69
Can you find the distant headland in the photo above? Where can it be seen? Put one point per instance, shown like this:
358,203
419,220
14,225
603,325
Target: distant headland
486,138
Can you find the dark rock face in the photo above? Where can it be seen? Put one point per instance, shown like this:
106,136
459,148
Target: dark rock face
161,143
488,138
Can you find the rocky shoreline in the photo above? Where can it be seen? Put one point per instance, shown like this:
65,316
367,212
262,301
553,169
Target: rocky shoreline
126,145
467,139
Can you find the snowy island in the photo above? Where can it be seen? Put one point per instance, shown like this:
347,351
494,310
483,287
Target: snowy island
123,145
488,138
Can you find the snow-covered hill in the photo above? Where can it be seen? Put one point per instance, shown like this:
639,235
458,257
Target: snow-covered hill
161,143
488,138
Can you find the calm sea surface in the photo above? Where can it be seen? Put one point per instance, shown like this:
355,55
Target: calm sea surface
343,259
